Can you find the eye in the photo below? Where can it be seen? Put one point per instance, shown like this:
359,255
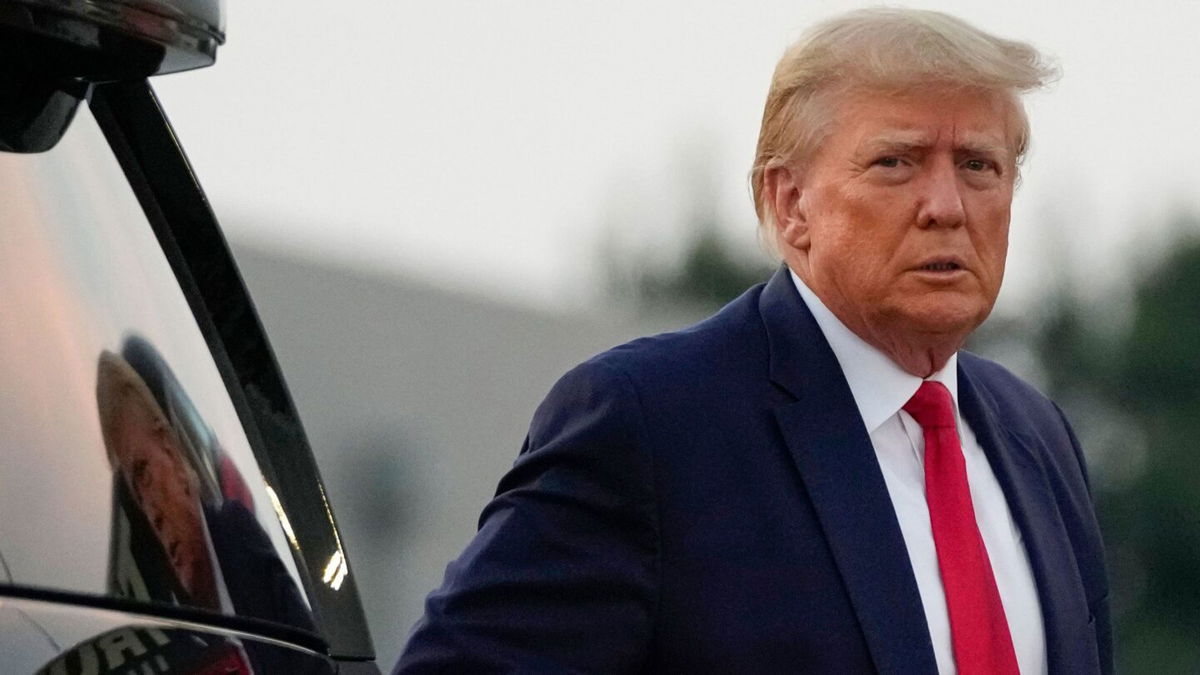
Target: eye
977,165
889,162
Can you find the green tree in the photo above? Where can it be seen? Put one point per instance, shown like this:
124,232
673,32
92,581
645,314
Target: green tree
1149,500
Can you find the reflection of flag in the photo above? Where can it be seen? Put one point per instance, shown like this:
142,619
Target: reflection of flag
151,651
233,486
232,662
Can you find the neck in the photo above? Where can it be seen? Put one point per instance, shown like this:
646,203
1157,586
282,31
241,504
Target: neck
918,355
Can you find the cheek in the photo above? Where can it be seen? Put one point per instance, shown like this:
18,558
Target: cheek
991,243
846,230
856,270
858,234
864,255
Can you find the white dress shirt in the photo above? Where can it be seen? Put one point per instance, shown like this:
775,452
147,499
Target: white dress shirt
880,389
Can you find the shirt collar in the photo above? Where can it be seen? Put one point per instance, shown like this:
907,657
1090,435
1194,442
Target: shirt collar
880,387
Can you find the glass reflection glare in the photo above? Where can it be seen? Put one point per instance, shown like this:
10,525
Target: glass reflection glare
283,519
335,570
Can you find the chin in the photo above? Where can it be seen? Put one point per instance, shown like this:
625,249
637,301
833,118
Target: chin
953,318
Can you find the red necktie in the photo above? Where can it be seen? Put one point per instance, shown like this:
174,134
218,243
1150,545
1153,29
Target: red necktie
978,627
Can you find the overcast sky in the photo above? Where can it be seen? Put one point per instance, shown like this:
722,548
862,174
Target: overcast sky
492,145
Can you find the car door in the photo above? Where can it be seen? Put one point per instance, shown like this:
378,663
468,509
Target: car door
160,509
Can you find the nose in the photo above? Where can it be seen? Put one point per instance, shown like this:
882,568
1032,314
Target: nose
942,206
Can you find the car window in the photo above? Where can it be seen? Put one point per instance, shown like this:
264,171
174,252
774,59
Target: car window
124,469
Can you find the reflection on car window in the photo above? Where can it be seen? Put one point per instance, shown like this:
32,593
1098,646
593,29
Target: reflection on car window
182,529
157,486
124,467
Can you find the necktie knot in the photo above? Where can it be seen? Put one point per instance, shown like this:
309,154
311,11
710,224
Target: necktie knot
932,407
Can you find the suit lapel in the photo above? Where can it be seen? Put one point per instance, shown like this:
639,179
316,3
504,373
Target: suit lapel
1022,478
837,464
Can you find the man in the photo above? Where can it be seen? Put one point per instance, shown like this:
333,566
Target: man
815,479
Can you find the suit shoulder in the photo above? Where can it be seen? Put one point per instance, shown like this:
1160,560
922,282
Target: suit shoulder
995,376
999,382
665,373
1019,405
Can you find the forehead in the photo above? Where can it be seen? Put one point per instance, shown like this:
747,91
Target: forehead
137,420
925,117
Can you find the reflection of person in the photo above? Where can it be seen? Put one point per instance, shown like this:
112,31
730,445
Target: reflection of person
146,452
815,479
220,478
176,491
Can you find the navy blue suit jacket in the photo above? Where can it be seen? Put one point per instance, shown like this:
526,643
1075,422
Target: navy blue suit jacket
708,501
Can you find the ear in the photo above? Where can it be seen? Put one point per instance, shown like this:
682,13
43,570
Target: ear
784,191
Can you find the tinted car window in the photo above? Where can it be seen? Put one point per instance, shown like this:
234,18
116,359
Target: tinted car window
124,469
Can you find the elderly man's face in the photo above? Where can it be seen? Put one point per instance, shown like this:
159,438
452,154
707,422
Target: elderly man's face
151,463
900,221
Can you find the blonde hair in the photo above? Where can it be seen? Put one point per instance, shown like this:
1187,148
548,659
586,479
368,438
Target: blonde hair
888,50
117,383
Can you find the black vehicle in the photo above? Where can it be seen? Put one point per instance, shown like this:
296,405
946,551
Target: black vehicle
160,509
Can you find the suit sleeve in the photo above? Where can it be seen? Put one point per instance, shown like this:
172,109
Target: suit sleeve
562,574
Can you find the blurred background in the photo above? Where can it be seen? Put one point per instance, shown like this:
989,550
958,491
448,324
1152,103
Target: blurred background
439,208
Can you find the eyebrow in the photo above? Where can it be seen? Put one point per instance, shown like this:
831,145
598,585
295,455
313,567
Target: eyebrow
898,141
985,144
909,141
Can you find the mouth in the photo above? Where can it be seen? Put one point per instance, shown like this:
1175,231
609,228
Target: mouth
948,264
